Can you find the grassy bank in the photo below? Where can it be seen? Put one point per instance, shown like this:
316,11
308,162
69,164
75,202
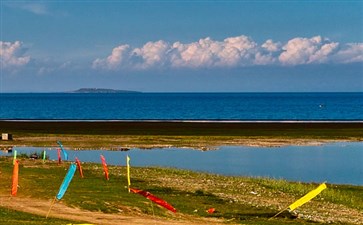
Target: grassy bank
237,200
113,135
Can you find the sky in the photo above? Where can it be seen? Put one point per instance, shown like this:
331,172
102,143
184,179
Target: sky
182,46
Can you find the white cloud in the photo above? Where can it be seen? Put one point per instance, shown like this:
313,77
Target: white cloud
351,53
12,55
307,50
152,54
118,56
231,52
270,46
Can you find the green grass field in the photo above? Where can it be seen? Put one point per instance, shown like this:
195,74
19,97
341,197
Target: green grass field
189,192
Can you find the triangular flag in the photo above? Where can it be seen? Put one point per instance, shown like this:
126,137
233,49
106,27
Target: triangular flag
59,156
14,186
64,186
308,197
14,159
44,155
153,198
64,151
105,169
79,167
128,172
67,180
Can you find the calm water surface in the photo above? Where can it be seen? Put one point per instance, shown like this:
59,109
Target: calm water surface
183,106
340,163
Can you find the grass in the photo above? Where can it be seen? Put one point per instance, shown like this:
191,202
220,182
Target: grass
189,192
13,217
348,195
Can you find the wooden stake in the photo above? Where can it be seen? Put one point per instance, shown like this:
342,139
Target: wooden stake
279,213
51,205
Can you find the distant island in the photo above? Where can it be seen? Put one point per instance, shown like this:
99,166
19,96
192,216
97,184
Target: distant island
101,90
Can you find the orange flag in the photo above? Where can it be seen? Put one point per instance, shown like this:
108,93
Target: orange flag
79,167
105,169
14,187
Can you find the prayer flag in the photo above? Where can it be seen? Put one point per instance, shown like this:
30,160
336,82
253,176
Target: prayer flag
153,198
14,159
44,154
128,172
59,156
79,167
308,197
64,151
105,169
14,187
66,181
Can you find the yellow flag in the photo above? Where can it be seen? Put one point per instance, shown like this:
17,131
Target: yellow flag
128,171
308,197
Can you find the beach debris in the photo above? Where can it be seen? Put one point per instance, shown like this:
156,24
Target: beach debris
211,210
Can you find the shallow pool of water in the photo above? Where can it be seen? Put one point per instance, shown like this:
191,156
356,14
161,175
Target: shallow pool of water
340,163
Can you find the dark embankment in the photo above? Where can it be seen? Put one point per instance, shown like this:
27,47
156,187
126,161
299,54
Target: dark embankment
330,130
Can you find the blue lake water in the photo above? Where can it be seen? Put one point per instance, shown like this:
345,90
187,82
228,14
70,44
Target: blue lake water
340,163
183,106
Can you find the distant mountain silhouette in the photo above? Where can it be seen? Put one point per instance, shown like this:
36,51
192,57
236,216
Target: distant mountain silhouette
101,90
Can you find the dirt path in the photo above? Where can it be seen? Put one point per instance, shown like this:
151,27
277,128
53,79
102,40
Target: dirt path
59,210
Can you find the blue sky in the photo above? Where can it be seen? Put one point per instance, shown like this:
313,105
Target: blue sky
182,46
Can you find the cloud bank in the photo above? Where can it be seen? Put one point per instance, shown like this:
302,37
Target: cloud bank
237,51
12,55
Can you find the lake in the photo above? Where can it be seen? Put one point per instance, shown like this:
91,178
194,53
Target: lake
183,106
340,163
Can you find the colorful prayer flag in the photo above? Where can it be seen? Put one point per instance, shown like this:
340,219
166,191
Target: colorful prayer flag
14,159
308,197
14,186
128,172
105,169
59,156
79,166
64,151
66,181
44,155
153,198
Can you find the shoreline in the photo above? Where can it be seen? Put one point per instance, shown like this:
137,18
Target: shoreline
196,134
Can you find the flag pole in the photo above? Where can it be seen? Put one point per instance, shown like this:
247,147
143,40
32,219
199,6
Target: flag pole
51,205
279,213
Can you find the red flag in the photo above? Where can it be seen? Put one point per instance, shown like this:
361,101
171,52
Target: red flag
59,156
14,187
153,198
105,169
79,167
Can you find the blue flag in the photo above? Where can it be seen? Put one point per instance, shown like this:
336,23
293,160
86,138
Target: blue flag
66,181
64,151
